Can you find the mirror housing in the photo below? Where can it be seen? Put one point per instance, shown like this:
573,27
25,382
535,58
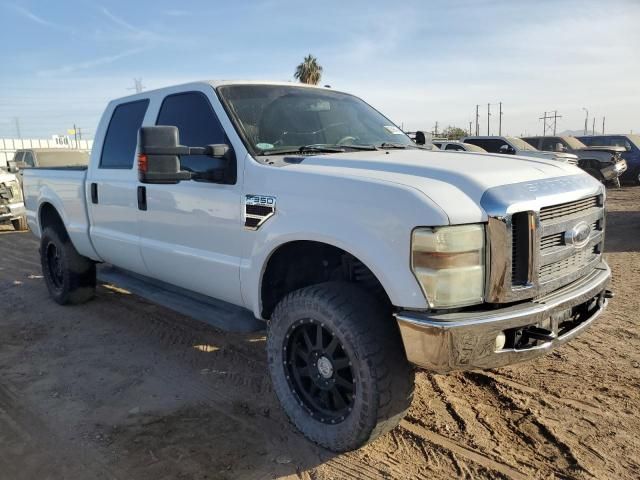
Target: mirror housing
159,152
421,138
507,149
12,167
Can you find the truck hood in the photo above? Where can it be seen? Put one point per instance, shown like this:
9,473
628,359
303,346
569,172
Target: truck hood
455,181
611,149
562,156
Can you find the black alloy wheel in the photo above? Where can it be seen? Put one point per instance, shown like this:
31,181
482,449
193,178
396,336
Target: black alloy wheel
319,371
55,266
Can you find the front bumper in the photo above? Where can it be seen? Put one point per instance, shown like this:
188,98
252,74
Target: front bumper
12,211
615,170
467,340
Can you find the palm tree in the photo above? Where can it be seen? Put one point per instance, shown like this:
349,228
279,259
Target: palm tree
309,71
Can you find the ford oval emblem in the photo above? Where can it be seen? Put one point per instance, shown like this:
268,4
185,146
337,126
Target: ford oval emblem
578,236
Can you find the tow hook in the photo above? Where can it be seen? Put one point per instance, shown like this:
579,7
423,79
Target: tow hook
538,333
609,294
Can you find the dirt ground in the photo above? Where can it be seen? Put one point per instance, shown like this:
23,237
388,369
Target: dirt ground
122,388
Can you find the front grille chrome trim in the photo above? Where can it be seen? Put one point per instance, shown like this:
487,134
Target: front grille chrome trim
548,196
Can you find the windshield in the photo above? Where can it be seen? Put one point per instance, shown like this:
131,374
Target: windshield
275,118
521,144
474,148
574,143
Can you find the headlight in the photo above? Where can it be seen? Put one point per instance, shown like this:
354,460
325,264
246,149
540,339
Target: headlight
16,191
449,264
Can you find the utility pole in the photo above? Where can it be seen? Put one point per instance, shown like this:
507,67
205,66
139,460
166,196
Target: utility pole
477,119
586,121
137,85
593,128
555,121
75,135
470,123
16,120
435,132
488,119
546,117
603,125
500,121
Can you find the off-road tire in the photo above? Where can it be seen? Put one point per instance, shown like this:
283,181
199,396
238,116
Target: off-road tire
383,379
76,279
20,224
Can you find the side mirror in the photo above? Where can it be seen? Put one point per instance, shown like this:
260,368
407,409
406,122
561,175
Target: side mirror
421,138
12,167
159,152
507,149
559,147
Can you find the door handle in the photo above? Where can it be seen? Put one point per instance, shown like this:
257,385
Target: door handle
142,198
94,193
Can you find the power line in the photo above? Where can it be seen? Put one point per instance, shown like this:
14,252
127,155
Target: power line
549,117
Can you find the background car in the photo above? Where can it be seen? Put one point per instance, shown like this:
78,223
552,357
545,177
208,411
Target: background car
517,146
458,146
631,145
11,201
603,163
48,157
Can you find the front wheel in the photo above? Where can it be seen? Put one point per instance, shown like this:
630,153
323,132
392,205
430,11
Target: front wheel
70,277
338,365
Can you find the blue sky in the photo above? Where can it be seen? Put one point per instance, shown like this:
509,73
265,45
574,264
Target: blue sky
417,61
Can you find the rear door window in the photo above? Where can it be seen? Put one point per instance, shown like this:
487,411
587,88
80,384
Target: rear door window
119,148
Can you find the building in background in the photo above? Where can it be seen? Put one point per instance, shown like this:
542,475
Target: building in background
8,146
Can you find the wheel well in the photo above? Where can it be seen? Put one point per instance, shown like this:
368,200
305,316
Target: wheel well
49,217
300,264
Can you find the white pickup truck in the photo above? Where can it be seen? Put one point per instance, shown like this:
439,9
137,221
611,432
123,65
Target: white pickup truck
364,253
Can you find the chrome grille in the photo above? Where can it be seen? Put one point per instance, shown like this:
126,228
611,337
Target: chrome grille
574,262
569,208
525,264
560,262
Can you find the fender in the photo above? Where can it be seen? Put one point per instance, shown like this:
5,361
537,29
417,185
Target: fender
76,222
345,213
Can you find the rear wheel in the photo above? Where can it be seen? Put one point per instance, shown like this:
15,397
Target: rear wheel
338,365
20,224
70,277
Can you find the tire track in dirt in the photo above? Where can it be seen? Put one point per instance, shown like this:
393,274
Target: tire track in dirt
569,402
531,436
458,449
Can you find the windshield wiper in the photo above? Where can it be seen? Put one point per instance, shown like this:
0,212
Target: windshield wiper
360,147
304,149
392,145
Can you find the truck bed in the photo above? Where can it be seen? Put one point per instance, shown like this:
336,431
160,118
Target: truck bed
64,189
